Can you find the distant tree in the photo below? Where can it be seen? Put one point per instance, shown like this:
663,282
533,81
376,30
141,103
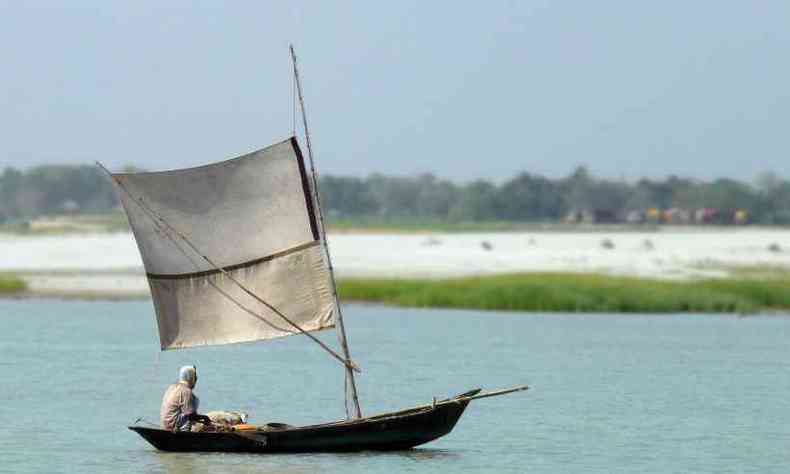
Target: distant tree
583,192
728,194
610,196
525,197
476,203
11,183
578,189
768,181
347,196
528,198
641,197
435,197
774,200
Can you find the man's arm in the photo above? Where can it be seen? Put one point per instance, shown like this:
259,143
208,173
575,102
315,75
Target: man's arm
194,417
190,410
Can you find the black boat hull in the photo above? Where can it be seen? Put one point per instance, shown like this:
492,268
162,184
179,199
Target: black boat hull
392,431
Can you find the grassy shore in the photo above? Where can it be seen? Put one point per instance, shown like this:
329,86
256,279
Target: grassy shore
10,284
561,292
546,292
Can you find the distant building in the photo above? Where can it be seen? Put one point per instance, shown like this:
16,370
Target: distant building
677,216
707,215
636,217
600,216
573,217
727,216
653,215
741,217
69,206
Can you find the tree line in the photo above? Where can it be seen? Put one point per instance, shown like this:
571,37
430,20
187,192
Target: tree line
527,197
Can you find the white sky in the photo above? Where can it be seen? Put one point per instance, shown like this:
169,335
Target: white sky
460,89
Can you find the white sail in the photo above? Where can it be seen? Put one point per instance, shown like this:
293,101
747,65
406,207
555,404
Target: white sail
254,217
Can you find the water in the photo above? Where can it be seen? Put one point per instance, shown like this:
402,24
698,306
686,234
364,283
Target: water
648,394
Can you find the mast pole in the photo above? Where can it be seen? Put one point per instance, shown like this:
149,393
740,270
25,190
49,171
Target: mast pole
351,383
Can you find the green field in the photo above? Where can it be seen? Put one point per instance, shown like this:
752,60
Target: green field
565,292
10,284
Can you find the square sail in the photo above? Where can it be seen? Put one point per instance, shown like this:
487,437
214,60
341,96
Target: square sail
254,217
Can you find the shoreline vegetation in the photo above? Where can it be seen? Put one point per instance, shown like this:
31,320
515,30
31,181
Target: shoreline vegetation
116,222
53,226
581,196
11,285
573,292
747,293
113,222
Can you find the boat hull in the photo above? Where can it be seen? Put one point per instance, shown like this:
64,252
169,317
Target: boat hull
392,431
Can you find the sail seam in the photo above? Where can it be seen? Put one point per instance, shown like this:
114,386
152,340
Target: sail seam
250,263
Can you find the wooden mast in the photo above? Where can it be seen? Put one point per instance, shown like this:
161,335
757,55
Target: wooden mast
351,383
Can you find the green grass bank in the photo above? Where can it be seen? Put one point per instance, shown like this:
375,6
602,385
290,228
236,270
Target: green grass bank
570,292
10,284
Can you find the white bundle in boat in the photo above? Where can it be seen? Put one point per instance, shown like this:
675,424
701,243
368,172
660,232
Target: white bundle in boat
227,418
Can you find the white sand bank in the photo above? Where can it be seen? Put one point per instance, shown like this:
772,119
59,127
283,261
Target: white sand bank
109,264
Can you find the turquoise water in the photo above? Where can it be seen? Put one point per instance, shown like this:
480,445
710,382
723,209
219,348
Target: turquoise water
610,393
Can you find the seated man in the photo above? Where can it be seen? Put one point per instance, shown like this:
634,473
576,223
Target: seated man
180,405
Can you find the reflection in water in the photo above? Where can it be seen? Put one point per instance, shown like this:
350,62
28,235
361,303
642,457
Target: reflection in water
425,454
417,454
200,463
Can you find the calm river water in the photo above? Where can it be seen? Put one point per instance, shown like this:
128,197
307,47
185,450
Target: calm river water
610,393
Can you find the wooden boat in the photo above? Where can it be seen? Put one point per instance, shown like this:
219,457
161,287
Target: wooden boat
236,251
391,431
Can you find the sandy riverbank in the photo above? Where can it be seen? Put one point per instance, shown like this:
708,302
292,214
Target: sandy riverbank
108,265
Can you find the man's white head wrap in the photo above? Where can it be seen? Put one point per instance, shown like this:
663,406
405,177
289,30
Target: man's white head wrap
188,375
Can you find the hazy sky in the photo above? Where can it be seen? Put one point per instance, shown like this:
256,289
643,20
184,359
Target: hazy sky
460,89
